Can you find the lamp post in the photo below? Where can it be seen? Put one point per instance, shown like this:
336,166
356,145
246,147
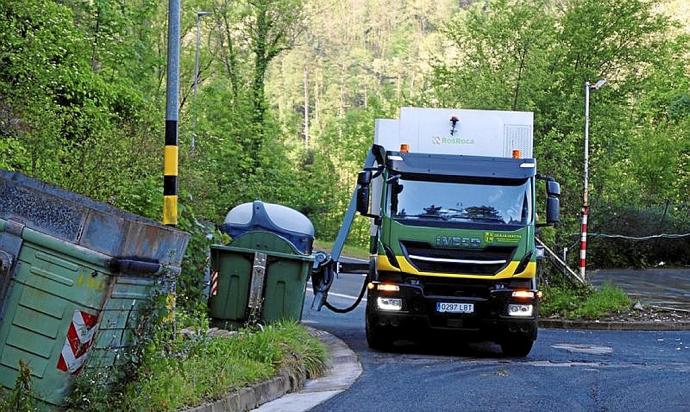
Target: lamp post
199,15
585,194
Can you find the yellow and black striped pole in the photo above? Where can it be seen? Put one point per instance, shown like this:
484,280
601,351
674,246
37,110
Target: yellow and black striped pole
171,110
170,157
170,154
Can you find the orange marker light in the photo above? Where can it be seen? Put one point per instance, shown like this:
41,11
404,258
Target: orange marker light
404,148
516,154
384,287
526,294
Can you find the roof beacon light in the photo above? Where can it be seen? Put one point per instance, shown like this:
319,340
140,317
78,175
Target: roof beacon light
404,148
453,122
516,153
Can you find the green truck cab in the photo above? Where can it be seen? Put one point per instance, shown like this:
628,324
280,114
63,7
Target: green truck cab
453,244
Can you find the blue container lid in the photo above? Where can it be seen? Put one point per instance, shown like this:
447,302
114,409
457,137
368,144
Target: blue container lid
279,219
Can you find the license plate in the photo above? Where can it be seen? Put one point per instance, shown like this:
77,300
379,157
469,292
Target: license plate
451,307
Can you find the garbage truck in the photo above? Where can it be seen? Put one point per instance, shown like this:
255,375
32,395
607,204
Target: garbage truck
452,198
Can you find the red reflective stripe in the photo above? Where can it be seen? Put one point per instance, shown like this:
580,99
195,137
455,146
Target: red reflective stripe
80,335
73,338
89,319
61,364
214,283
583,239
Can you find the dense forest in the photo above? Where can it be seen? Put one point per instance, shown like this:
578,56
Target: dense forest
288,91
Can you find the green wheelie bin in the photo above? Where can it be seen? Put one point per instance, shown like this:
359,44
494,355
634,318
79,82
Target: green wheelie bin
262,274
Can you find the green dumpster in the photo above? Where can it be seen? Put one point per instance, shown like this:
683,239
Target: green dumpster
74,276
262,274
267,283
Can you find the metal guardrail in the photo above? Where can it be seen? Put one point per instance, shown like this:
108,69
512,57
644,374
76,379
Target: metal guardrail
560,264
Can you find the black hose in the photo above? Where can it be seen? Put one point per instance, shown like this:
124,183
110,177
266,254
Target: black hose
354,305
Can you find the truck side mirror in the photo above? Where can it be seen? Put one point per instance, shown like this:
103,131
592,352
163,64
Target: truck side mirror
363,181
553,210
553,202
553,188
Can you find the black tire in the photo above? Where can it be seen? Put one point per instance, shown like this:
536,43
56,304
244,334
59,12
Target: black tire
517,346
378,338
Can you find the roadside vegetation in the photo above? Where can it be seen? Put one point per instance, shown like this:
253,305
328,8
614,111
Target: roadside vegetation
167,370
288,91
82,99
583,302
19,398
188,370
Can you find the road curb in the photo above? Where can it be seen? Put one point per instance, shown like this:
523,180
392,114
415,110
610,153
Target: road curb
250,397
343,372
612,325
290,380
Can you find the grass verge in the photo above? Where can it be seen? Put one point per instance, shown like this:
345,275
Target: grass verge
205,369
583,303
18,399
188,371
358,252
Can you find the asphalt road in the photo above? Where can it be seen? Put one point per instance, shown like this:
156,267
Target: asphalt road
566,370
662,287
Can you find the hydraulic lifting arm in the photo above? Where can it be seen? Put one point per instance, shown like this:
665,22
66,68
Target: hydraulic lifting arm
327,266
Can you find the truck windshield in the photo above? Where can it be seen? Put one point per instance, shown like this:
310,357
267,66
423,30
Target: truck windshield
508,202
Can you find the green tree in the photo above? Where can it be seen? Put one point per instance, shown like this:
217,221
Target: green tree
536,56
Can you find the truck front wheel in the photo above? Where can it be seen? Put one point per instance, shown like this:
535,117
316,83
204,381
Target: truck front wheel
517,346
378,337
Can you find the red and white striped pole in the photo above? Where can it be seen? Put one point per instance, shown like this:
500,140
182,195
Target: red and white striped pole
585,194
585,190
583,242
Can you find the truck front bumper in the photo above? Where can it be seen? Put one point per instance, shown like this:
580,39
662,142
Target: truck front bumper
490,318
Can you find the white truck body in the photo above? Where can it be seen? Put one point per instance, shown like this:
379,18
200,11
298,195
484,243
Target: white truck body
477,132
492,133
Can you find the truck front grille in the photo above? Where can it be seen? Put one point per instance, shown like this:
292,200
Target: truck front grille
488,261
456,287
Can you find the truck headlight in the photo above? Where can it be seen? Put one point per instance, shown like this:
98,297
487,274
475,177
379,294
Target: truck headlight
520,310
389,303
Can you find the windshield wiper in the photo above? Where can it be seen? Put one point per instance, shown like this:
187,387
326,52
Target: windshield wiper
425,215
467,217
486,218
458,216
